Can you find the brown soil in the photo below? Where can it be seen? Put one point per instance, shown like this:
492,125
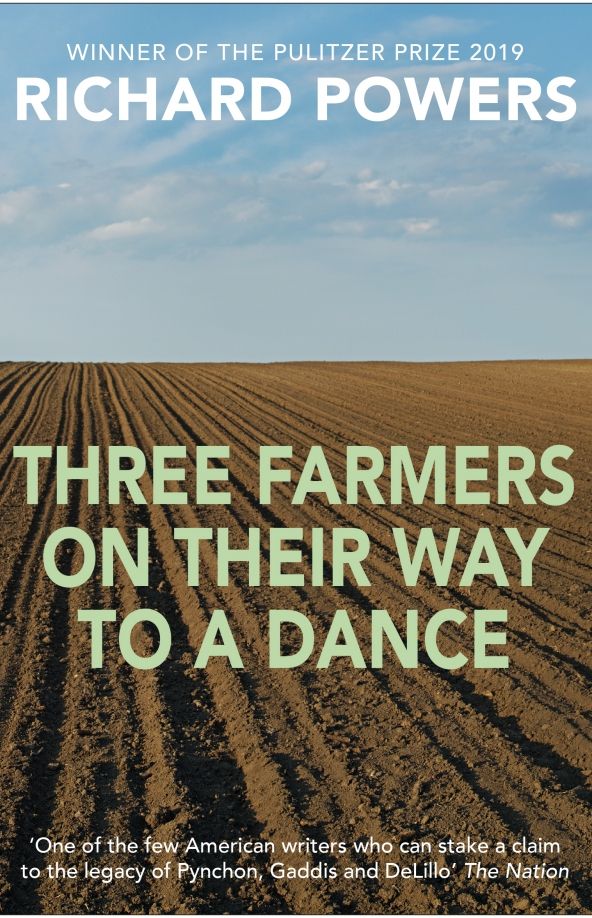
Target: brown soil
338,754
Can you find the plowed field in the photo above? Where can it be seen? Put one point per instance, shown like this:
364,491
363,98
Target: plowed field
338,754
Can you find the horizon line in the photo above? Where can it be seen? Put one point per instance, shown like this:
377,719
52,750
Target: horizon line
305,360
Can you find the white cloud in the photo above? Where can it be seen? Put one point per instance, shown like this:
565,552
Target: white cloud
315,169
310,171
483,188
419,226
245,211
378,190
569,219
566,169
125,229
15,204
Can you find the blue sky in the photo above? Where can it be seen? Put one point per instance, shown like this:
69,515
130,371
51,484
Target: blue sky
295,239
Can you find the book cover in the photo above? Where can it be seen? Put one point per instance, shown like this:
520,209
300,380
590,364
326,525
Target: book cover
295,560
